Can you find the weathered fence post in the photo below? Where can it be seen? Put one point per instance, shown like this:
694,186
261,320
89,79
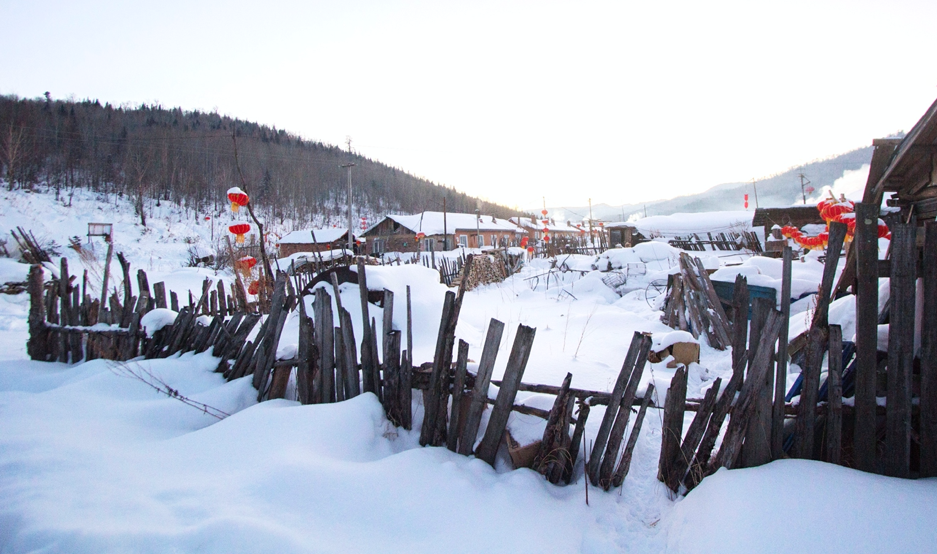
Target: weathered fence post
900,346
866,247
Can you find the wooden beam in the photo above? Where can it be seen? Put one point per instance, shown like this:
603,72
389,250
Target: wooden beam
897,457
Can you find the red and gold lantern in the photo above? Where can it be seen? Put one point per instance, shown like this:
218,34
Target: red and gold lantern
253,288
238,198
883,232
246,263
239,230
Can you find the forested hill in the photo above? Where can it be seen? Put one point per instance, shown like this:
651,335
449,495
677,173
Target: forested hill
189,157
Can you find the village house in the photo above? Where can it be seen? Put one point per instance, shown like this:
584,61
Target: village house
558,231
437,231
301,241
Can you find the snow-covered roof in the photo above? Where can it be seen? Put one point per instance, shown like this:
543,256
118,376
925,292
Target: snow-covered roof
431,223
553,227
688,223
304,236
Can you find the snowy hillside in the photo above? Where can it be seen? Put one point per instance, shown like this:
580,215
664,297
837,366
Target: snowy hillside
94,461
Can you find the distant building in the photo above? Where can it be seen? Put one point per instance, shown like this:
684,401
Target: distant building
301,241
559,231
438,231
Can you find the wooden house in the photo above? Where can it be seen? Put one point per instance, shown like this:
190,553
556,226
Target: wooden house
439,231
560,232
302,241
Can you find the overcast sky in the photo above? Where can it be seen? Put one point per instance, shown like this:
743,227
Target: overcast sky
618,102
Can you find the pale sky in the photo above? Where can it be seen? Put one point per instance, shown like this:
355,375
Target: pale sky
513,101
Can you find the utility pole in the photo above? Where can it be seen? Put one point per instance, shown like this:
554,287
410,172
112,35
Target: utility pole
477,217
803,186
348,166
445,230
756,192
591,234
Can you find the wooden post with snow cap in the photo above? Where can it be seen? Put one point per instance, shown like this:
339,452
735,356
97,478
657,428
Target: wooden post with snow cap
513,373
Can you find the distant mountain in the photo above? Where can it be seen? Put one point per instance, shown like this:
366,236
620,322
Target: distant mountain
782,189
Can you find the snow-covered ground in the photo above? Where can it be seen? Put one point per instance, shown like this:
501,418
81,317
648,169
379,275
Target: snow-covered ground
94,460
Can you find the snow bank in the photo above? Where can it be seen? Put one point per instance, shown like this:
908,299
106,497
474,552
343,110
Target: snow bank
12,271
797,505
154,320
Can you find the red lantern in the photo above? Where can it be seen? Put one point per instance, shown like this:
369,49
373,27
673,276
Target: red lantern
788,231
824,238
832,211
239,230
883,232
254,288
524,242
246,263
238,198
530,249
544,211
420,236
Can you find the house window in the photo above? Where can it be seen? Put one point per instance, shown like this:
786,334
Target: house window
428,244
463,241
378,247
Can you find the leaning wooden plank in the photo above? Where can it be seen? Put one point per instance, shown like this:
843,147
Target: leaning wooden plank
866,247
821,315
694,434
513,373
480,392
735,434
625,464
440,364
720,319
756,449
304,378
279,382
581,419
897,457
392,379
375,366
339,355
368,358
37,346
406,393
617,433
928,431
805,426
458,387
325,330
551,450
349,357
672,429
834,417
270,362
780,377
601,439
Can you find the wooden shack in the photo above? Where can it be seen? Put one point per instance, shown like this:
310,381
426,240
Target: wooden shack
302,241
796,216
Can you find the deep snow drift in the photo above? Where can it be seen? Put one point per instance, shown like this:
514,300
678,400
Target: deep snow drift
94,460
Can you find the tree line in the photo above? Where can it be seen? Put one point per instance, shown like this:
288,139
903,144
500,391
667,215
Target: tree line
188,157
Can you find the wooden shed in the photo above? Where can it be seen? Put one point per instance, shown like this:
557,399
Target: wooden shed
797,216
